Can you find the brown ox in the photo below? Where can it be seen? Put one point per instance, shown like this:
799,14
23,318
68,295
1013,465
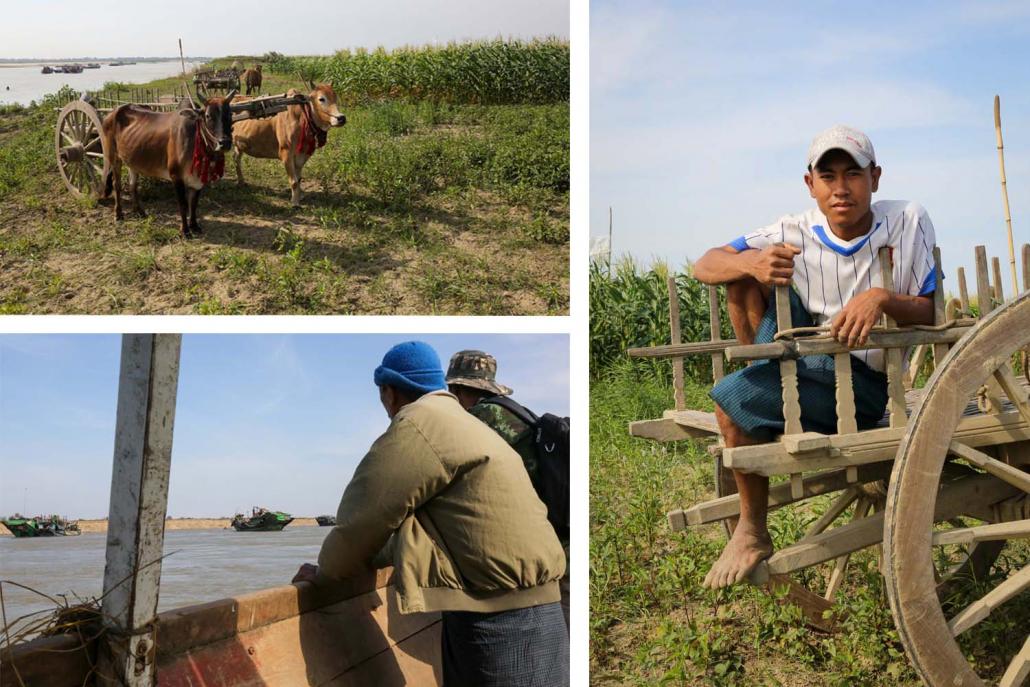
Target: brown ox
185,147
292,135
252,79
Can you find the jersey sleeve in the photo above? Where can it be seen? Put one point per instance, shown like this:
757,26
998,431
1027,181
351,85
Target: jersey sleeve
924,276
759,239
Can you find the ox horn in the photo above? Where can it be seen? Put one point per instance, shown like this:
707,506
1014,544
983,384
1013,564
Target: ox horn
228,98
201,98
312,84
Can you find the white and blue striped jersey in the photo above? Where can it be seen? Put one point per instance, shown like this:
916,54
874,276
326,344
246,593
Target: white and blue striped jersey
830,270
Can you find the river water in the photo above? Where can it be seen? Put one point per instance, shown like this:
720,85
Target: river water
204,565
27,83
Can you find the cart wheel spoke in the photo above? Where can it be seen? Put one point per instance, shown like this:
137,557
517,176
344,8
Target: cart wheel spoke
1019,669
1003,471
839,505
1002,531
979,610
840,566
1014,390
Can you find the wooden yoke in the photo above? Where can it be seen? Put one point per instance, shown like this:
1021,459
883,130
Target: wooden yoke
893,356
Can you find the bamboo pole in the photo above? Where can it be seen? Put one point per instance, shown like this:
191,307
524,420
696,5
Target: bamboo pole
1005,191
182,61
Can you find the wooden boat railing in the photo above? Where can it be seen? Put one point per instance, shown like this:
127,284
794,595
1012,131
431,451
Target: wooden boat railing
350,634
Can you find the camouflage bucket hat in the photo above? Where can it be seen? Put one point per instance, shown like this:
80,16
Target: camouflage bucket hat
477,370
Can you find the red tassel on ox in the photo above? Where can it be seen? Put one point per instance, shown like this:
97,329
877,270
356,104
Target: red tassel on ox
207,166
311,137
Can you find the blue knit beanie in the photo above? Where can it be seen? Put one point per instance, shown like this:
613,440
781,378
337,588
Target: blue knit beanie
413,366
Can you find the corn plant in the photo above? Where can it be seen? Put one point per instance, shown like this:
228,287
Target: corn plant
629,307
483,72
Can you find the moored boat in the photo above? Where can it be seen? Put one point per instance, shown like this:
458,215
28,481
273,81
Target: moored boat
326,520
40,526
261,520
48,70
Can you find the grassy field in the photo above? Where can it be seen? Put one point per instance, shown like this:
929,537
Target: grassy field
416,206
651,621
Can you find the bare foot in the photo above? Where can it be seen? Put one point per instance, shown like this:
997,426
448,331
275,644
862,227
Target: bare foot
745,550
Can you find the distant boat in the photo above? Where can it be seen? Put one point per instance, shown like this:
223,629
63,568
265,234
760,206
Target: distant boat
326,520
40,526
48,70
93,65
119,64
261,520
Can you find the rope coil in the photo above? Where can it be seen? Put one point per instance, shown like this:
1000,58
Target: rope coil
819,333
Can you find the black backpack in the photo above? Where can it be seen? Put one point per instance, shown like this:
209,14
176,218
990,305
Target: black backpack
551,439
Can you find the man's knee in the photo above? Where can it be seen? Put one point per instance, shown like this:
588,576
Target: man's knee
745,293
732,434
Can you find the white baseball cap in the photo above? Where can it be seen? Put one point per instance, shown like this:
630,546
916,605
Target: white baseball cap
851,141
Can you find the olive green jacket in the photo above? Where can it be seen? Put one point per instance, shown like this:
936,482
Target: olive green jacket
470,533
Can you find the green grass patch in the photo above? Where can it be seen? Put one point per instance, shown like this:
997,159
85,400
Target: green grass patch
419,204
652,622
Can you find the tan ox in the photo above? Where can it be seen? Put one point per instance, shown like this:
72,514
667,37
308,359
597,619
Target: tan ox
292,136
185,147
252,79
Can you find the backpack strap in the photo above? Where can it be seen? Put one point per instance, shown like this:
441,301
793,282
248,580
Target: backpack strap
521,412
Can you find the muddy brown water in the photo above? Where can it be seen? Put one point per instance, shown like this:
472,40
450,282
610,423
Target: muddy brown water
203,565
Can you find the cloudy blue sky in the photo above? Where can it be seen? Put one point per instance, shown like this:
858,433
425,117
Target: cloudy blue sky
68,28
702,112
279,421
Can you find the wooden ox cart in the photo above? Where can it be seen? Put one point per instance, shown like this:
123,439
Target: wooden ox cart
964,437
217,80
79,143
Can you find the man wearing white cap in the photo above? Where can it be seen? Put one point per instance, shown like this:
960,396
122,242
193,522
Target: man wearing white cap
830,255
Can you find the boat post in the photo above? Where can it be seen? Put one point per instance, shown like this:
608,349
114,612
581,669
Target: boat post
147,386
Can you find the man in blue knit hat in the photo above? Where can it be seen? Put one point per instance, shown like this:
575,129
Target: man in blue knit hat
447,502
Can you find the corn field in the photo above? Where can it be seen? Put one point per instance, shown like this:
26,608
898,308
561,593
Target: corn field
629,307
496,72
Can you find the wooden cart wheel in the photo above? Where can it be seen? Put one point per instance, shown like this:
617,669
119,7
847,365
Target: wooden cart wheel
909,538
79,145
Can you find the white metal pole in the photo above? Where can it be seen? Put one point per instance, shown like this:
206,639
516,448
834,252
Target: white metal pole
147,388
